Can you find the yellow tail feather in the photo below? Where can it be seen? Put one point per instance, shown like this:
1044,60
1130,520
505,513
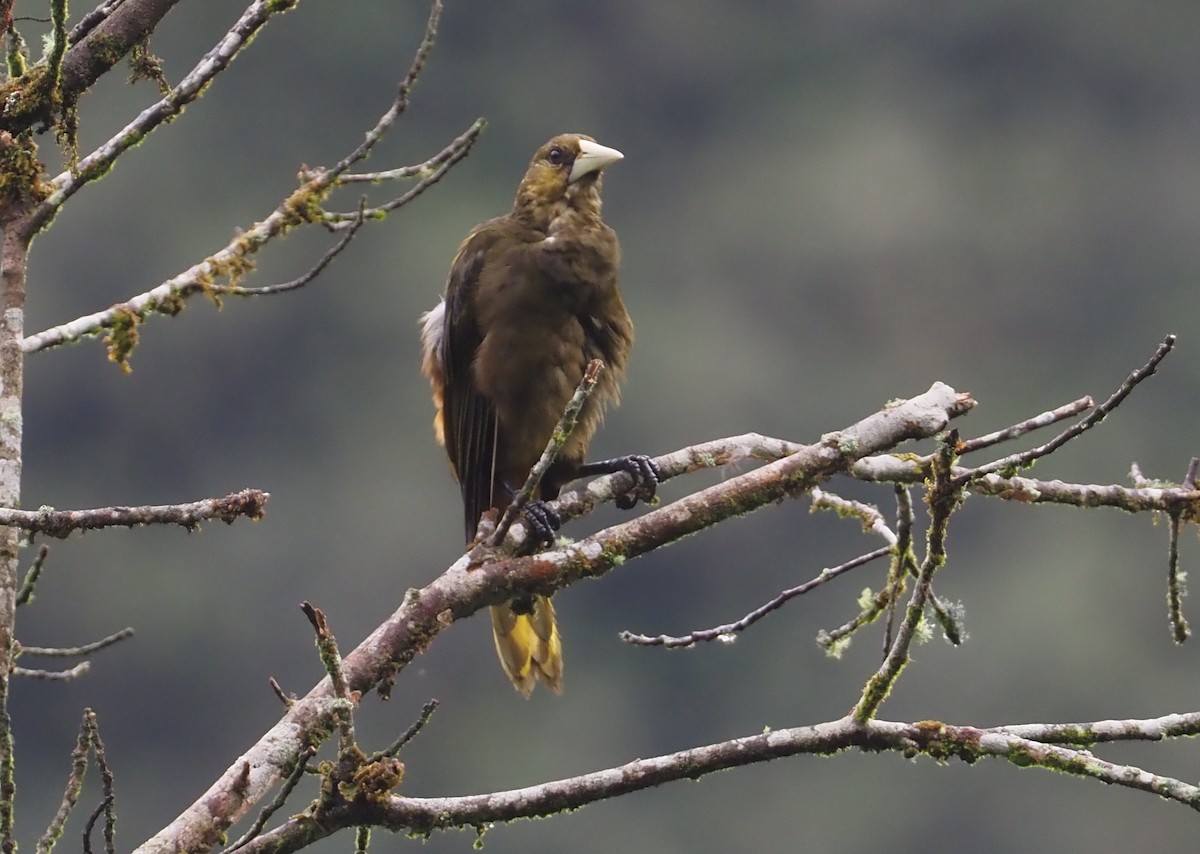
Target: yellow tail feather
529,645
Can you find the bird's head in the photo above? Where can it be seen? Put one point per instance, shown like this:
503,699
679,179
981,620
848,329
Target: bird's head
565,172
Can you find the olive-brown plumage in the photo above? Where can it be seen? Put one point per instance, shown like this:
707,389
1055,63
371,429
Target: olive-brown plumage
531,298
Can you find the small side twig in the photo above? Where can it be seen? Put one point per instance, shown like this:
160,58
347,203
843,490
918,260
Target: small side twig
728,632
285,790
1176,586
75,672
104,808
1015,431
324,261
87,741
287,700
409,734
85,649
903,559
331,658
872,520
25,595
562,432
1015,462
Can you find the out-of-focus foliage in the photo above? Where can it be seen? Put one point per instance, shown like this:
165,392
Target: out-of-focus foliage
823,205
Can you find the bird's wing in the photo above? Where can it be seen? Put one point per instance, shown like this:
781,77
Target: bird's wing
468,419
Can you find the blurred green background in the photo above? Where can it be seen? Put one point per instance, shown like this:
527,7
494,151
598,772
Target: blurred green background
823,205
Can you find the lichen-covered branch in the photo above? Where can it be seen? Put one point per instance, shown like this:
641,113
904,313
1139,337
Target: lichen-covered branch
1028,490
483,577
247,503
933,739
78,59
86,64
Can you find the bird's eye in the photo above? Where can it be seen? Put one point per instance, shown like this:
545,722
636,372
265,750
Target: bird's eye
556,156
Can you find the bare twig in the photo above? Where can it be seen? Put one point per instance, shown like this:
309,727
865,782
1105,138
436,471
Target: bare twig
903,560
87,741
284,698
104,808
872,520
1053,416
61,523
729,631
1015,462
1176,588
331,658
53,832
67,675
409,734
89,21
85,649
1145,499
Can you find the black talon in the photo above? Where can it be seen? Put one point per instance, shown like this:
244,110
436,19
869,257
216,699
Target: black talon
543,522
645,473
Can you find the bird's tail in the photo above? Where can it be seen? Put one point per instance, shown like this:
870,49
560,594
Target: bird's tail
529,645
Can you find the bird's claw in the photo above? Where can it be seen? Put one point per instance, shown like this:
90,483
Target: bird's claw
646,477
543,522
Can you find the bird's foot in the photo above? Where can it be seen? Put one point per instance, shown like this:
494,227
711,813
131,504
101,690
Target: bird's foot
645,473
543,522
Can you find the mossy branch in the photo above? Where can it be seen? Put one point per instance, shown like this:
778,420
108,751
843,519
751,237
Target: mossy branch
222,272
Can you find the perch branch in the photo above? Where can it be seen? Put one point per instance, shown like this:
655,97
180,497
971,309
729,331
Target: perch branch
468,585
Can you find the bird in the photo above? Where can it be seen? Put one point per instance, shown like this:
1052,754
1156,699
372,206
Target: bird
531,298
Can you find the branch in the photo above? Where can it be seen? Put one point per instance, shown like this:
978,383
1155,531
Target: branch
61,523
1045,419
470,585
299,282
1155,499
67,675
83,649
944,497
728,632
941,742
222,272
1026,458
85,65
100,41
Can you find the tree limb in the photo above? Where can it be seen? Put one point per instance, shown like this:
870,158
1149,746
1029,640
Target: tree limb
483,578
939,741
61,523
